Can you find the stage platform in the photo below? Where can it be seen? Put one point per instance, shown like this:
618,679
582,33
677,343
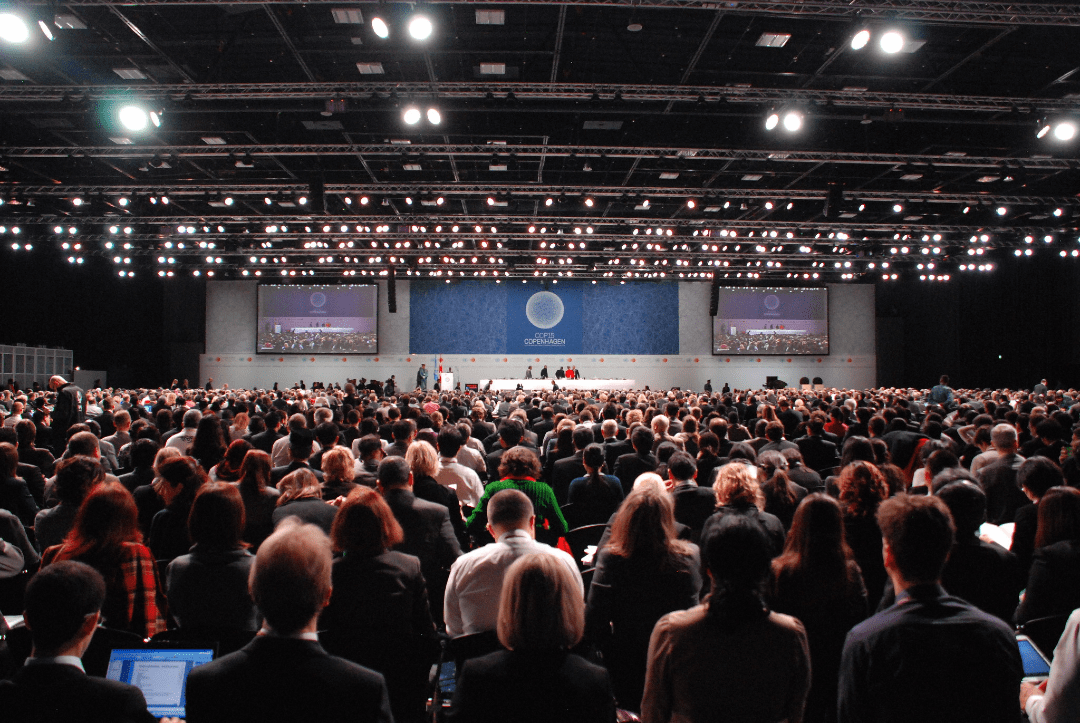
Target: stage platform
499,385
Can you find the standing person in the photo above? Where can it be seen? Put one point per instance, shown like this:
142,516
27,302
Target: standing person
528,373
544,372
942,394
421,377
927,635
70,405
708,386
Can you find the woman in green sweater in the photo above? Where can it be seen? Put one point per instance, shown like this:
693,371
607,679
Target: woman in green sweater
520,469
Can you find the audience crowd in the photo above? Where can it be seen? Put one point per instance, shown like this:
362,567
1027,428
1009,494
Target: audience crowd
750,555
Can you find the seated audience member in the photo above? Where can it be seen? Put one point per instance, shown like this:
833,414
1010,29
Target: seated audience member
970,655
284,674
629,466
228,469
595,496
42,458
180,478
800,474
142,455
14,535
14,494
1058,700
566,470
862,490
63,607
424,464
260,499
147,497
738,494
817,581
208,447
476,578
693,504
339,471
541,617
463,480
642,573
207,588
182,440
1053,584
106,537
520,469
75,477
301,496
299,448
1036,477
378,615
732,656
782,495
979,572
428,533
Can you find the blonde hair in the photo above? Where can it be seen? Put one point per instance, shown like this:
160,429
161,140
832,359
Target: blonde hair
423,460
298,485
541,606
650,479
737,485
165,453
338,465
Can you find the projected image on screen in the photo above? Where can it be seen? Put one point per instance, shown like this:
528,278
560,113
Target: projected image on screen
318,320
771,321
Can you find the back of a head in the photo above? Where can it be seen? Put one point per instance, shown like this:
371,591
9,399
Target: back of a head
681,466
9,460
1059,516
403,430
217,516
541,606
856,448
642,439
511,431
737,553
967,504
742,450
919,531
365,526
816,538
143,452
449,441
192,417
290,579
75,476
583,437
58,599
393,472
519,463
1038,474
593,457
509,509
644,525
84,443
737,485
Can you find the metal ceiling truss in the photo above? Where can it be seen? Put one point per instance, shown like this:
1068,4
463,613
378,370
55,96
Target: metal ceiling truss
531,191
938,11
610,94
418,152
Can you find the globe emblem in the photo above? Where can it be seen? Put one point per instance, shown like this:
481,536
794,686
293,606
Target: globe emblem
544,309
772,302
318,299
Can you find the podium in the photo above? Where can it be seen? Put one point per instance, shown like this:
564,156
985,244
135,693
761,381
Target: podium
446,381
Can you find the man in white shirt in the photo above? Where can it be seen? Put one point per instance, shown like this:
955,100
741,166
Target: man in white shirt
471,454
472,593
464,481
279,454
182,440
1058,700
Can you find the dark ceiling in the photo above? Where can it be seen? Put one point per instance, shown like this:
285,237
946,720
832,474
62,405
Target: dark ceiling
265,102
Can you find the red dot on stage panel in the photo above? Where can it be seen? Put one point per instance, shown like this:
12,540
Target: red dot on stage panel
473,359
344,359
818,361
788,361
440,360
601,358
537,359
727,360
849,360
665,360
218,359
569,359
696,360
408,358
281,359
633,360
758,360
376,358
504,358
312,358
249,358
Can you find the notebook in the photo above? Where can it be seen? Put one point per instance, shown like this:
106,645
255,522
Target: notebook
160,673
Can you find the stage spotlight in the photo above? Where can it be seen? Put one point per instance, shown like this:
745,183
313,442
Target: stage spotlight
491,200
46,29
897,208
1058,212
13,29
268,201
691,203
589,202
228,200
860,40
364,200
420,27
124,201
549,201
772,120
302,200
793,121
433,116
156,116
1001,211
411,115
77,201
1042,127
1065,130
379,27
892,42
133,118
440,201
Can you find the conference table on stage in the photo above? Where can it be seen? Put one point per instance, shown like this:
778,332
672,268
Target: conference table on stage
498,385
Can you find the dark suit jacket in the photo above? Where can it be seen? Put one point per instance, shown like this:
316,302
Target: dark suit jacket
818,454
1023,541
429,536
693,505
1003,495
629,466
265,440
35,481
50,692
1053,586
615,449
532,687
15,497
282,679
565,471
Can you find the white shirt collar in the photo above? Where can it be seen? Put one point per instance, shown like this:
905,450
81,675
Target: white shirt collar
314,637
71,660
515,533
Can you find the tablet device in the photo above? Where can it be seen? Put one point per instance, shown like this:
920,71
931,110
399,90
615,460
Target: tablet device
1036,665
160,673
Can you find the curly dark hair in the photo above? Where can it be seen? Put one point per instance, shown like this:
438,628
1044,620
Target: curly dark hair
519,463
862,489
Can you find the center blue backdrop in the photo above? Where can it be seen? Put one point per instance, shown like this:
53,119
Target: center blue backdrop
571,317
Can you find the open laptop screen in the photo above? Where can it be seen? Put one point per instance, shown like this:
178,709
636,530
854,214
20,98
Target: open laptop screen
160,673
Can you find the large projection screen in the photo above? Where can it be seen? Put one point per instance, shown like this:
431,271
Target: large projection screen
764,320
318,319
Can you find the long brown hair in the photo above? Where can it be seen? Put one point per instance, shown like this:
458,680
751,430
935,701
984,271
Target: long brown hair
644,526
106,520
816,545
1059,516
255,472
365,526
862,489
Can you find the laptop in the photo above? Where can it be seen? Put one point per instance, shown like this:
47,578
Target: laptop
1036,664
160,673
